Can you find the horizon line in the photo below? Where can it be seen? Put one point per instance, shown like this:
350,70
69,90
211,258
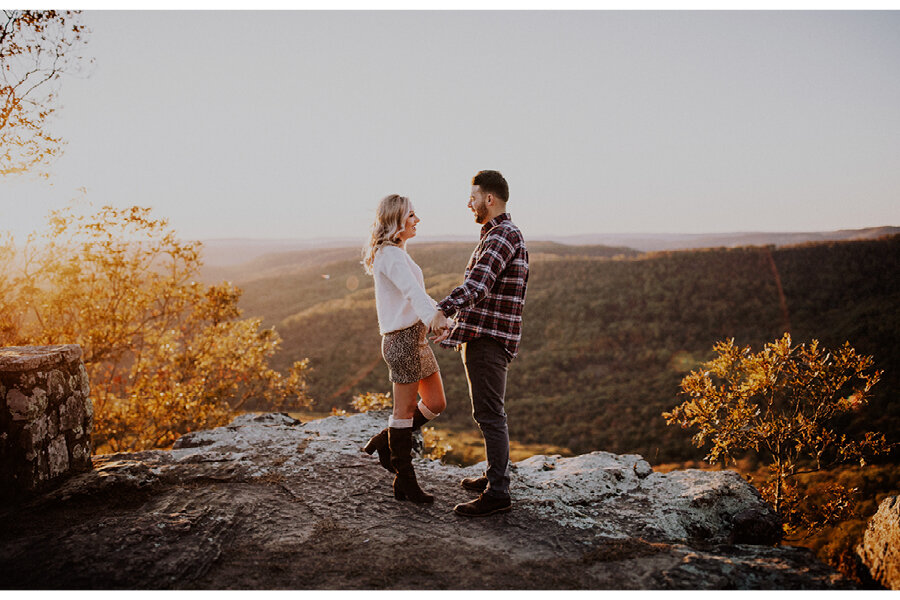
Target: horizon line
550,236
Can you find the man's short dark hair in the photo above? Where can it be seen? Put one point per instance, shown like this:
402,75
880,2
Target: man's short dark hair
492,182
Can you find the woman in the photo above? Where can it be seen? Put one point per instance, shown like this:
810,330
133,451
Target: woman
406,313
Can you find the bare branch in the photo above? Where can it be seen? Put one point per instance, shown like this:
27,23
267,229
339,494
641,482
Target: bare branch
36,48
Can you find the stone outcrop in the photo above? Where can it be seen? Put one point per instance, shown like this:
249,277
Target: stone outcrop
269,502
46,416
880,548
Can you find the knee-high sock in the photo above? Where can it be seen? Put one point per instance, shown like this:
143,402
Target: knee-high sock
399,423
426,412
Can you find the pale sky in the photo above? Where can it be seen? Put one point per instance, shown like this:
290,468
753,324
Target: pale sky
294,124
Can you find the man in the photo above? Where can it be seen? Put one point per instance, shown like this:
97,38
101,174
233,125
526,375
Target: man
488,311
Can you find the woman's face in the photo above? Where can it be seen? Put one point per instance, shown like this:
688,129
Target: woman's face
409,227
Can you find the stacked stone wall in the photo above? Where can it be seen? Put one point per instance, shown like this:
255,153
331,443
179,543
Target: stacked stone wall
46,416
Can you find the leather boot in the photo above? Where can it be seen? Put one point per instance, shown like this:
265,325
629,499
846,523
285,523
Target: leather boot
379,441
405,485
476,484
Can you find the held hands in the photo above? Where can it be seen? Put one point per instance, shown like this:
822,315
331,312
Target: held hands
443,335
440,326
438,323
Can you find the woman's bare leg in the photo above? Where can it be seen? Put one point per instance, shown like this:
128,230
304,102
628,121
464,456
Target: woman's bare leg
405,395
432,391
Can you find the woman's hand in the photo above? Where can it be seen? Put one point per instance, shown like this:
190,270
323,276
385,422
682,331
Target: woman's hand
440,337
440,326
438,323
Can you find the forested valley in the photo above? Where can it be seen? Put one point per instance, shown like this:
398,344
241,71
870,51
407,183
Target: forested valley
608,334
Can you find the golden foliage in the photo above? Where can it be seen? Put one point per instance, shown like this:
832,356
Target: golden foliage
165,354
782,402
371,401
435,444
805,513
36,47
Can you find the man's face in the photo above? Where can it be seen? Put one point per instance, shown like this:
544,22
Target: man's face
478,205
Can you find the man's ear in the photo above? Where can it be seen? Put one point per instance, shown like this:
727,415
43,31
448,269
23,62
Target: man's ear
489,199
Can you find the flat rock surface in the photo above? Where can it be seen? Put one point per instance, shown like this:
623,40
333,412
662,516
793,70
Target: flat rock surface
268,502
27,358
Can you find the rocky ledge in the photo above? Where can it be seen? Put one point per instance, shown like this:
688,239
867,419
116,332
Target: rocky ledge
880,548
269,502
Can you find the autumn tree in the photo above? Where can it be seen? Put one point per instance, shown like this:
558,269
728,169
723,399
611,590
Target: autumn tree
165,354
783,403
36,48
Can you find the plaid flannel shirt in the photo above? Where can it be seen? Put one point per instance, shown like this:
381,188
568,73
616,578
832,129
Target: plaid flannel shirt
489,302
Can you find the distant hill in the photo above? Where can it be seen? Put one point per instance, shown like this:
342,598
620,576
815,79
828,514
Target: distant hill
301,259
609,332
237,251
224,252
664,241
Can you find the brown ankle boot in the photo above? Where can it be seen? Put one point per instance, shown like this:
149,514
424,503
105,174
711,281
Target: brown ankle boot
405,485
379,441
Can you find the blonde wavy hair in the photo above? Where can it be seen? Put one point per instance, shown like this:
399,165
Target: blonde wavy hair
390,219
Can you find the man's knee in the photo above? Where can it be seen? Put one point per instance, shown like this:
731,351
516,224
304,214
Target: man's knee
487,416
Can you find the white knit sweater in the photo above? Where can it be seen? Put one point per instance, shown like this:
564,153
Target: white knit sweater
400,297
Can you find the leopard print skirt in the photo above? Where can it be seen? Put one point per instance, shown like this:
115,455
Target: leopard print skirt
408,356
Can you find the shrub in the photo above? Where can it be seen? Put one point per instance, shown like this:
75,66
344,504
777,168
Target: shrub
783,403
165,354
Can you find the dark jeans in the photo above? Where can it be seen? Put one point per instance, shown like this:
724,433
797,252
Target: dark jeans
486,364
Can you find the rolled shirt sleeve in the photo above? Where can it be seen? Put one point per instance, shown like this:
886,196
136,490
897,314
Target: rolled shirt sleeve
496,252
